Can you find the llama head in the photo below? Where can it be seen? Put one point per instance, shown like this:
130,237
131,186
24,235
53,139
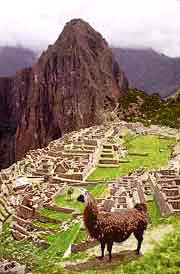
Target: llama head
141,207
85,197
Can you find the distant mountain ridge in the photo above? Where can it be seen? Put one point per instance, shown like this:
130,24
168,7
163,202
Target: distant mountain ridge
13,58
149,70
146,69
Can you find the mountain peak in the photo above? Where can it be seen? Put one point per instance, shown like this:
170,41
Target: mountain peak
69,88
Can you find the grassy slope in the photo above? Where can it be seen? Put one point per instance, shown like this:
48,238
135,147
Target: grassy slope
140,144
27,252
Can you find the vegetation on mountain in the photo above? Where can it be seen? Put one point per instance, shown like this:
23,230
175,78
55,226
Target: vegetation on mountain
136,105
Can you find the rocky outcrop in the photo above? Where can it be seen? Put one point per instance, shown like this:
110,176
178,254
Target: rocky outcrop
69,87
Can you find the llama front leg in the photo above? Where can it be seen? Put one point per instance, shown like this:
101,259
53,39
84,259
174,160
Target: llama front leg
139,237
109,248
102,249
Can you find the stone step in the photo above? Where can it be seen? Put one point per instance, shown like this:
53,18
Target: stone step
20,221
4,212
107,165
2,218
17,235
5,207
19,228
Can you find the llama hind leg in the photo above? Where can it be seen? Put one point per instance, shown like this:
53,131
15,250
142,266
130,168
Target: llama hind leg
102,249
139,237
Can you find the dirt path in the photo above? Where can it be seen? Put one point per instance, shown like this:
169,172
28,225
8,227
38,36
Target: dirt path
123,252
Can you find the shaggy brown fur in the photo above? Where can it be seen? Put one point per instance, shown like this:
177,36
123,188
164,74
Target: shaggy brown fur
109,227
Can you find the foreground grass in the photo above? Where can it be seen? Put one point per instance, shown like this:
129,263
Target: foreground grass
24,251
138,144
54,254
164,259
156,219
38,258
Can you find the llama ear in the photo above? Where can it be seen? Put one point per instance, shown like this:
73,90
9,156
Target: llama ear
82,191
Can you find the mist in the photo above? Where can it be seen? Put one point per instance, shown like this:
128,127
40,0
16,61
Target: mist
36,24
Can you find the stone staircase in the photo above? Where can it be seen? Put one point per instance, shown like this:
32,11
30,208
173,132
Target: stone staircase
5,210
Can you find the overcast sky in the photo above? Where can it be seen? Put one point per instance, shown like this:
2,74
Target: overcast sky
140,23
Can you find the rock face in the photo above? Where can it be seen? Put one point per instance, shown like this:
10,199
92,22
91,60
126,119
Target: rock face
68,88
8,123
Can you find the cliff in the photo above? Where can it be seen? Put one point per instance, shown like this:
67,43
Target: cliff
8,123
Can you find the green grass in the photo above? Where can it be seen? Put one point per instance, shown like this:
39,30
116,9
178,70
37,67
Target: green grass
155,217
77,256
48,238
82,236
24,251
164,259
55,252
45,225
27,252
97,190
138,144
62,201
59,216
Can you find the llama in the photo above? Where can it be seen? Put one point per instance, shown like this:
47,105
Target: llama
110,227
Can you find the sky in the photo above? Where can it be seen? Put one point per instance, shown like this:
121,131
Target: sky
123,23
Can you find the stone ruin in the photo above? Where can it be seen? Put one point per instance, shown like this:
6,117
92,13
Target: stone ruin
124,193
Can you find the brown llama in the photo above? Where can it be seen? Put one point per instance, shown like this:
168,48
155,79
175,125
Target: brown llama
110,227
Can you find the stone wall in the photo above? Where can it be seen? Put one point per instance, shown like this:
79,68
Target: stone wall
83,246
160,198
59,209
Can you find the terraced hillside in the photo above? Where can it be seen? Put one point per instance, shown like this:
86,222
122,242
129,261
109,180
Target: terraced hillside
43,231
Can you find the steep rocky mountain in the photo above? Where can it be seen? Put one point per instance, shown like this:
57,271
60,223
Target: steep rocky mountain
149,70
14,58
67,89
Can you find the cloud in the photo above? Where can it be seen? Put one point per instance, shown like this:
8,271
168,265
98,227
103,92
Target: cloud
137,23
